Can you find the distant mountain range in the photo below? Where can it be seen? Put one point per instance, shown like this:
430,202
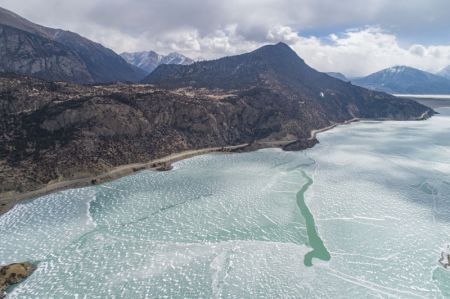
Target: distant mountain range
150,60
54,54
405,80
339,76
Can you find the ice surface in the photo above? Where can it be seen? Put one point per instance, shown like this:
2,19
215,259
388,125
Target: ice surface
229,225
37,229
386,190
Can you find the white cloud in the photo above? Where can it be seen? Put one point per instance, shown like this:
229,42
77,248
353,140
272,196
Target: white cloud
418,50
360,52
211,29
355,52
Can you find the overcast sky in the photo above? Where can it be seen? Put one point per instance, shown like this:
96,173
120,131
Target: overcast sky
355,37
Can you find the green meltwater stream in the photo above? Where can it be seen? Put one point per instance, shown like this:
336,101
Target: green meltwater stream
319,251
365,214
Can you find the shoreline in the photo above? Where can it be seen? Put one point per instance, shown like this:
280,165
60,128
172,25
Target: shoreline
161,164
314,133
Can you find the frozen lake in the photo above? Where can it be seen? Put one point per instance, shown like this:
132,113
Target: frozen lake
364,214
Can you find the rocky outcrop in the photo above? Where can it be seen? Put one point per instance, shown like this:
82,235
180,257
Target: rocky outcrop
12,274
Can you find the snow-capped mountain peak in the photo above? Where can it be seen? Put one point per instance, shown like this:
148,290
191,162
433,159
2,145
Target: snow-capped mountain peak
176,58
405,79
397,69
150,60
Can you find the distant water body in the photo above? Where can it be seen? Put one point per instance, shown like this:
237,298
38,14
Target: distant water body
363,214
424,96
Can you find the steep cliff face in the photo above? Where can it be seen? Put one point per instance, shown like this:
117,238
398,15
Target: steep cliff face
26,53
53,54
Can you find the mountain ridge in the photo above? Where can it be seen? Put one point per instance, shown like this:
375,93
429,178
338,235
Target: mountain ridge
279,69
217,73
82,61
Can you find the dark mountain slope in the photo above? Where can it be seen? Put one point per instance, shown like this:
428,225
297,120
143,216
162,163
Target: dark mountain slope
279,69
270,66
83,61
26,53
256,68
104,64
